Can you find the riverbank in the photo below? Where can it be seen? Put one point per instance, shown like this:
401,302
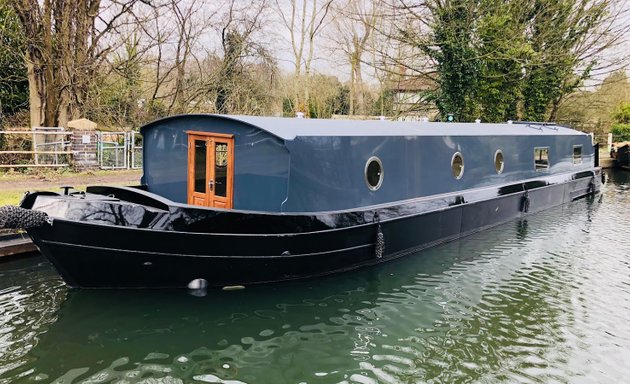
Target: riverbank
14,185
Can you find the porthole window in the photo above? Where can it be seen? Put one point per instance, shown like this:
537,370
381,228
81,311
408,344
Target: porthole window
374,173
457,165
498,161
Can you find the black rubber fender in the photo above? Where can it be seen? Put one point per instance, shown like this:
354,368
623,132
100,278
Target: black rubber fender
525,202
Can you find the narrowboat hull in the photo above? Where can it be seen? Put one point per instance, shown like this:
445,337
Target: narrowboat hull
99,254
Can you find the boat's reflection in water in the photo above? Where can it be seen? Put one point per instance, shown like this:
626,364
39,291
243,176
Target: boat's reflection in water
455,309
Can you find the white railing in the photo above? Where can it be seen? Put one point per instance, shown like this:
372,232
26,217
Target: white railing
50,147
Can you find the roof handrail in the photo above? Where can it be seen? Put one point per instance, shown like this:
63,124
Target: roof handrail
539,125
535,123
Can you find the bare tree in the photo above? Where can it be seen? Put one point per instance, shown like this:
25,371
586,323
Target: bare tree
406,75
303,24
67,41
243,54
174,53
597,33
189,56
354,25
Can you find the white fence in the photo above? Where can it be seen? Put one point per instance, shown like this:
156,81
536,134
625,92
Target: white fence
48,147
52,147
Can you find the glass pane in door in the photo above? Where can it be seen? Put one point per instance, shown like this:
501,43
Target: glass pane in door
200,166
220,169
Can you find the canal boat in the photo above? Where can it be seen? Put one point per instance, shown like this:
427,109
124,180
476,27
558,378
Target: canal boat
238,200
623,156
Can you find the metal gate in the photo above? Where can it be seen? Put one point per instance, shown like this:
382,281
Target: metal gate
135,146
119,150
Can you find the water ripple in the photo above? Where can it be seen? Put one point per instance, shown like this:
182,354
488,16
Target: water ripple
30,294
542,300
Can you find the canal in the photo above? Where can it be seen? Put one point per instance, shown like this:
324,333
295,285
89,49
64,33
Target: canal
544,299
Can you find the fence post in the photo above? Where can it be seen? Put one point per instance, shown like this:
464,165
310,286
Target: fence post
133,149
609,141
127,154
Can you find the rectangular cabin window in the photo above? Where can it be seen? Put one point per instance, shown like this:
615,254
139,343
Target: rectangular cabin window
200,166
577,154
541,158
221,169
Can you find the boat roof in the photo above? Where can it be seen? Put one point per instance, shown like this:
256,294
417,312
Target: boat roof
290,128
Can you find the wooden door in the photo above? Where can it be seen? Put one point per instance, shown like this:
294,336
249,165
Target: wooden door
210,169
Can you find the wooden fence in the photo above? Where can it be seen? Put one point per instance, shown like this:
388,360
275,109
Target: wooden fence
49,147
82,149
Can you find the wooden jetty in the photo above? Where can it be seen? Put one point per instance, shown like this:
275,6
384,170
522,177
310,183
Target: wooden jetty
16,244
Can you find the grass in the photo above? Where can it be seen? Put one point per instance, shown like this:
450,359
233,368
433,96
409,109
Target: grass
56,173
13,196
13,185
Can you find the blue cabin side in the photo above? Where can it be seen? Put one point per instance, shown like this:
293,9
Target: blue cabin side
261,161
333,173
300,165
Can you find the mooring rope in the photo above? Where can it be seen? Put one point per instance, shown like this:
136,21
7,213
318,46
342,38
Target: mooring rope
12,217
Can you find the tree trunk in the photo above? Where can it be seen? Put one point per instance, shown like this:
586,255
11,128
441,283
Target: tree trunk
64,107
34,97
352,88
360,107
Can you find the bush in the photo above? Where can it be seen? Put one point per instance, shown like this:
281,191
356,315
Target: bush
622,114
621,132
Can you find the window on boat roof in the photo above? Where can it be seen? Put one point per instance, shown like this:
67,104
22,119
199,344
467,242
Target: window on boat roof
374,173
541,158
457,165
498,161
577,154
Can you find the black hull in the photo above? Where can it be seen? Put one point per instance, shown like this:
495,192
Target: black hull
92,255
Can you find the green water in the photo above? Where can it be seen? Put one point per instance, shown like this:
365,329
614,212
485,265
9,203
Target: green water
546,299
